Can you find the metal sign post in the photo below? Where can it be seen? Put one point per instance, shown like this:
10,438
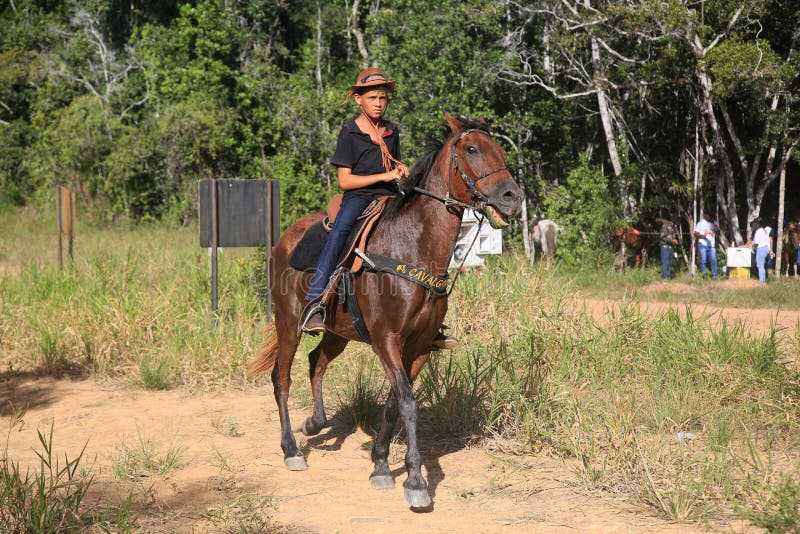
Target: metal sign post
214,249
65,200
238,213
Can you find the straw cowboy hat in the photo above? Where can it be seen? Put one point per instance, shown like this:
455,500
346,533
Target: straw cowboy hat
369,78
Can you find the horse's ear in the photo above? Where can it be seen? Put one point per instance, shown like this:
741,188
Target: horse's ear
455,124
481,120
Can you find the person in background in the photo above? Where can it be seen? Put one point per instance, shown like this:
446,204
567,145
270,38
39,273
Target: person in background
762,241
705,231
669,240
771,226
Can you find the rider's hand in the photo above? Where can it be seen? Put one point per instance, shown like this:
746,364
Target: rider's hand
401,171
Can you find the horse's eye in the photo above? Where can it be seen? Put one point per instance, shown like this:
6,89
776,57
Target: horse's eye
472,150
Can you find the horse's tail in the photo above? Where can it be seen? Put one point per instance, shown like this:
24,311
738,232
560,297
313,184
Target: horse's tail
266,360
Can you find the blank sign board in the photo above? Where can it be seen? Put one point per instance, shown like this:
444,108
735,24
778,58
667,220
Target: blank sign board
247,211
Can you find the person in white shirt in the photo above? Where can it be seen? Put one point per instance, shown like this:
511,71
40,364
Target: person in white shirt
762,241
706,231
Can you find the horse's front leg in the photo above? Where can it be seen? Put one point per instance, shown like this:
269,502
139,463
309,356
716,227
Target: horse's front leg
415,486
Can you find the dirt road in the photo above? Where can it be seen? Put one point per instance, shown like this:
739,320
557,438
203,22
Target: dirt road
473,489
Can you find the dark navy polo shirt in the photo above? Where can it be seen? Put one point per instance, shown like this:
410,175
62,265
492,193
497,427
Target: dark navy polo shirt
355,150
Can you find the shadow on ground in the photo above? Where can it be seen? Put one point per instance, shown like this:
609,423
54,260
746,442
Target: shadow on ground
432,446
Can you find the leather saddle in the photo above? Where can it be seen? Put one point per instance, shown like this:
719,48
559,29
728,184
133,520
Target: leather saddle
306,253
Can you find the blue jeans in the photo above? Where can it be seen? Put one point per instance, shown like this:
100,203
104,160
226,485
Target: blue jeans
344,222
761,263
708,254
666,260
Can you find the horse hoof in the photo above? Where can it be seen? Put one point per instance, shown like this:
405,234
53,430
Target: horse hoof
382,481
304,429
295,463
417,498
309,429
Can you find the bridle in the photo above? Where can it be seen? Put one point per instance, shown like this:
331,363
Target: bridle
478,200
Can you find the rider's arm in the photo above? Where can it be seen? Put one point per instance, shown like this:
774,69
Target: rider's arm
348,180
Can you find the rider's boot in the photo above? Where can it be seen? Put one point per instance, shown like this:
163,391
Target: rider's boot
312,320
443,341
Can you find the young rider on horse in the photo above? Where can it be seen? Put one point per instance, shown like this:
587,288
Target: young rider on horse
368,160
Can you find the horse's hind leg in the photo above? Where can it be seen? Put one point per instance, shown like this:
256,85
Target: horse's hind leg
281,381
381,477
318,359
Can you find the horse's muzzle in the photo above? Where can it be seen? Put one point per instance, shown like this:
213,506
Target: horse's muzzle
506,198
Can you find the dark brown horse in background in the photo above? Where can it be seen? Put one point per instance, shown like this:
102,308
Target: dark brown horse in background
791,245
419,229
636,238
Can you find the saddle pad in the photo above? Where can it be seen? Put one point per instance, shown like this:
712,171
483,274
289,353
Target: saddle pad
306,253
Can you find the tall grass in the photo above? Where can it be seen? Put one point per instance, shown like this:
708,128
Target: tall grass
660,408
47,500
778,293
135,302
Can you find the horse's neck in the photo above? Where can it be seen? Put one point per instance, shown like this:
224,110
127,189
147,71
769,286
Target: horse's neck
424,232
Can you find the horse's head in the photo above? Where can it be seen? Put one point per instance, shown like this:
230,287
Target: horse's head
486,182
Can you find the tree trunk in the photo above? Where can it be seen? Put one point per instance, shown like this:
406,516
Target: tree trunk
520,180
355,28
697,185
726,187
318,67
779,238
608,131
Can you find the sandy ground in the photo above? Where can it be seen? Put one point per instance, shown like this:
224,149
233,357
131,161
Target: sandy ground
229,446
474,490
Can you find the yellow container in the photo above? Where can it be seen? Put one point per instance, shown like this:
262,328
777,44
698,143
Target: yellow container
739,273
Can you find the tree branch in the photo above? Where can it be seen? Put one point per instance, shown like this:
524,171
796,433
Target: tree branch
735,138
731,23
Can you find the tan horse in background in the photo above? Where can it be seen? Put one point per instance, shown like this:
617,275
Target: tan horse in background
544,236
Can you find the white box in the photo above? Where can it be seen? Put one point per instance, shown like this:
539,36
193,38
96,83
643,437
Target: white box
740,257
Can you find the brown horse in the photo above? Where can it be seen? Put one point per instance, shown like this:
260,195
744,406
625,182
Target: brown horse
791,245
419,229
636,239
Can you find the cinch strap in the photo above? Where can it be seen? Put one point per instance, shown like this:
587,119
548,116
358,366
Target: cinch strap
437,284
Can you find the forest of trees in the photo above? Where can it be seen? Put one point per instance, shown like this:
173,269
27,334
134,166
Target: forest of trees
608,109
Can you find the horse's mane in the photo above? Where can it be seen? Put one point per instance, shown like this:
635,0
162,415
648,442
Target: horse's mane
421,169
